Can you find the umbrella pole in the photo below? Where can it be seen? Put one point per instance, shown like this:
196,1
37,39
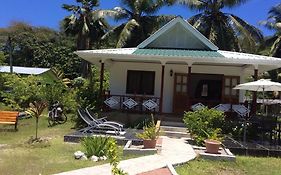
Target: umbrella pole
263,106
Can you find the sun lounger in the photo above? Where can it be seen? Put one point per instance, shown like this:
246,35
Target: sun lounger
103,119
94,127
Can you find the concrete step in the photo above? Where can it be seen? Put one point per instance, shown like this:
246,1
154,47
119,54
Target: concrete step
172,123
173,128
175,134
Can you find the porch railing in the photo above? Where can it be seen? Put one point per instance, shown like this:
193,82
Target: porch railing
131,103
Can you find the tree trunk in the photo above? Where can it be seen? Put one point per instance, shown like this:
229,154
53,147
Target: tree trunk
36,136
83,43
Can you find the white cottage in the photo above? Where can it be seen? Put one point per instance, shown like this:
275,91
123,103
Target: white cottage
175,67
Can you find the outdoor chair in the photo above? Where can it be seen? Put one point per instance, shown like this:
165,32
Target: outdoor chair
94,127
102,120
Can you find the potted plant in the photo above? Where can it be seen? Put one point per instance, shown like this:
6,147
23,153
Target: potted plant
149,135
213,142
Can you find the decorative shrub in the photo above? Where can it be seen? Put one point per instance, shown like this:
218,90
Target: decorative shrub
204,123
97,146
149,131
113,156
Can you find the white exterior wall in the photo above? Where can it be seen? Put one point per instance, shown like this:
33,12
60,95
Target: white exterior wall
118,77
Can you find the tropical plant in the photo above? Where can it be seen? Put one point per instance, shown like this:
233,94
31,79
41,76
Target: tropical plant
227,31
114,157
150,131
87,24
35,110
141,21
60,76
204,123
96,145
274,22
18,91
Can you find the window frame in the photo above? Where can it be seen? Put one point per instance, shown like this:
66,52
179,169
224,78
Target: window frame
141,82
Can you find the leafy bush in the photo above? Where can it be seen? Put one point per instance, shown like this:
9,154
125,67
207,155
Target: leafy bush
113,156
18,91
97,145
149,131
204,123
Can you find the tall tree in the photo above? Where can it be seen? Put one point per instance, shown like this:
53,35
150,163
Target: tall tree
227,31
40,47
87,23
141,21
274,22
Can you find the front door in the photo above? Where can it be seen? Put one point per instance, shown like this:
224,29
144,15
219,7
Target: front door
180,103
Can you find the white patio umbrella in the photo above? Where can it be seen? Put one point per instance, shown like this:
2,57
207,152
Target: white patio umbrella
261,85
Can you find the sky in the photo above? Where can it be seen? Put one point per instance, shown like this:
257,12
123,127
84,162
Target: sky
48,13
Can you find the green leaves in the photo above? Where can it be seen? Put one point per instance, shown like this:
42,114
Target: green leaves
204,123
140,21
150,131
36,108
227,31
97,145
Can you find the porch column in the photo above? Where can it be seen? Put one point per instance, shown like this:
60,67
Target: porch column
188,87
101,77
162,87
254,99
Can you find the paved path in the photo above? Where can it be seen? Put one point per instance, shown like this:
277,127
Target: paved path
174,151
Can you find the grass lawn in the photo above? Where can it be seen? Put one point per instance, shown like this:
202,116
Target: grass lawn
242,166
17,157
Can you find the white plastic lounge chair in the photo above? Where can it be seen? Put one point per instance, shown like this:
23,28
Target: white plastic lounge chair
94,127
102,120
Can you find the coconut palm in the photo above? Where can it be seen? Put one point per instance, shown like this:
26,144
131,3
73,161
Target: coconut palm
226,30
274,22
87,23
140,19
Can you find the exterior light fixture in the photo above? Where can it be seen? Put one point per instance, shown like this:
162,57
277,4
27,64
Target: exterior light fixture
171,72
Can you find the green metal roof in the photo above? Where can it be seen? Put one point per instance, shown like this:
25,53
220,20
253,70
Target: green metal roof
177,53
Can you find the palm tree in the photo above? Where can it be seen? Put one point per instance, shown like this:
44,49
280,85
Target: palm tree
87,24
274,22
227,31
141,21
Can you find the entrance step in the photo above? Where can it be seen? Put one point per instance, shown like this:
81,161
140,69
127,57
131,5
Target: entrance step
173,128
172,123
172,131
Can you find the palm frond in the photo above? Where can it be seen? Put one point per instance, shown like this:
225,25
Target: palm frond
194,19
70,7
113,32
122,13
276,48
198,5
127,32
99,14
248,31
233,3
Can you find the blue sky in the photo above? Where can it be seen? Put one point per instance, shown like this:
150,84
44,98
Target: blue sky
49,12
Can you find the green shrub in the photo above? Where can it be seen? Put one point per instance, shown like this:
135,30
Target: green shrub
114,157
18,91
149,131
97,146
204,123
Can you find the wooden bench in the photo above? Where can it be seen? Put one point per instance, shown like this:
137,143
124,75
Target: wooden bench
9,118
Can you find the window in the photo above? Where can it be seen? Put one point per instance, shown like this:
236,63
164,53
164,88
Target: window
140,82
230,94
